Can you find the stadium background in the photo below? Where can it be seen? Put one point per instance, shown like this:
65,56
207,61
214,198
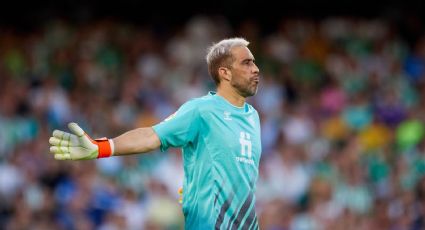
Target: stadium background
341,102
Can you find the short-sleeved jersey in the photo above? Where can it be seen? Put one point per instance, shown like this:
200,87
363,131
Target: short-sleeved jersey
221,147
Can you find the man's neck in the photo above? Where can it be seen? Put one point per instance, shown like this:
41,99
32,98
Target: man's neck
231,96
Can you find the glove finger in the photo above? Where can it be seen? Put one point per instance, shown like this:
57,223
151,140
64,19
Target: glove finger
61,134
77,130
59,149
60,142
54,149
83,137
65,156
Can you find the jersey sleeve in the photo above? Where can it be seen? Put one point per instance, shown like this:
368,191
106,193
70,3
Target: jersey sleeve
180,128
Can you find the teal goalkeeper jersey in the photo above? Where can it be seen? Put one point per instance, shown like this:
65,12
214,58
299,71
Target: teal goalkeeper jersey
221,146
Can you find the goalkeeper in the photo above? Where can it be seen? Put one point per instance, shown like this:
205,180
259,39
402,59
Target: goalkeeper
219,134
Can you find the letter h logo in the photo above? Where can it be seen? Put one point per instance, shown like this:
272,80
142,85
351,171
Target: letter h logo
246,146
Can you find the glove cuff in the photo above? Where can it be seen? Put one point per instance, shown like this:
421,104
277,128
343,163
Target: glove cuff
106,147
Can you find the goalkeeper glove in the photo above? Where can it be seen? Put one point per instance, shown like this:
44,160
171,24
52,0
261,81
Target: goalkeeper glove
79,146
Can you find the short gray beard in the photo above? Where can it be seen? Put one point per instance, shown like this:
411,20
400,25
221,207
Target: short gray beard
243,91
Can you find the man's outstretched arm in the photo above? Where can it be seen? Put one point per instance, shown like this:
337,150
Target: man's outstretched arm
138,140
77,145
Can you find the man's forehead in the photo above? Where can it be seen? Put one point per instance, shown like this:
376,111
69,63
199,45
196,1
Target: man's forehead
242,52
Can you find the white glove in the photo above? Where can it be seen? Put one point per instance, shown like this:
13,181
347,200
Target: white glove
78,146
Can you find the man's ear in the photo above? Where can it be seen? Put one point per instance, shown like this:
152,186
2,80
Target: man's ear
225,73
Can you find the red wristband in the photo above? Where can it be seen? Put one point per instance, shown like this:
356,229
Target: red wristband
104,148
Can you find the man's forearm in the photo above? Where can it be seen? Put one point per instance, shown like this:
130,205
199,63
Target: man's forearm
136,141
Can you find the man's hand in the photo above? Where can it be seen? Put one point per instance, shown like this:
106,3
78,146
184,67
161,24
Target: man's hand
78,145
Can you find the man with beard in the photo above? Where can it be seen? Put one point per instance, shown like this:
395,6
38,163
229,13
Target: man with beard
219,134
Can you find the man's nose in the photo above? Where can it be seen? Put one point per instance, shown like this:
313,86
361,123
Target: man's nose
256,69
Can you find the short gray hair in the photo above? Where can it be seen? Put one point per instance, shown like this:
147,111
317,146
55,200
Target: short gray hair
219,55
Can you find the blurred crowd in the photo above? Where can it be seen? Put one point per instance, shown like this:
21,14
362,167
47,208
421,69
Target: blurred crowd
341,102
